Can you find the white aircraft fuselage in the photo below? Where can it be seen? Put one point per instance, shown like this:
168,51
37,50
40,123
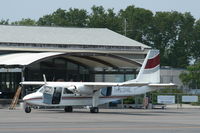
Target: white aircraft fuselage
50,95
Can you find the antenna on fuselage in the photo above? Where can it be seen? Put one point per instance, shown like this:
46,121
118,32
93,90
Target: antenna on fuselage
45,80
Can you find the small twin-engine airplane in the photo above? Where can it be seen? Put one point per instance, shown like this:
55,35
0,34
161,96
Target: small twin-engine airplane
68,94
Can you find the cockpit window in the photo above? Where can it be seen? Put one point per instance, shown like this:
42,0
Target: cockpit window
41,90
48,90
67,91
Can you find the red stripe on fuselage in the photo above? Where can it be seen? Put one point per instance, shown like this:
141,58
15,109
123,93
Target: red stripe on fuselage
65,98
36,98
91,97
151,63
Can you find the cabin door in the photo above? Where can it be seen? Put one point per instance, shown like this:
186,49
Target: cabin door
52,95
48,94
57,95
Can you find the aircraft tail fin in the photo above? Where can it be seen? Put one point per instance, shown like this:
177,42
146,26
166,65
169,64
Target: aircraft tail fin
150,70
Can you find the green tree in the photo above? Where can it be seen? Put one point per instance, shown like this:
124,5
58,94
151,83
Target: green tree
180,52
195,52
192,77
24,21
4,22
73,17
99,18
172,35
77,17
46,20
138,23
57,18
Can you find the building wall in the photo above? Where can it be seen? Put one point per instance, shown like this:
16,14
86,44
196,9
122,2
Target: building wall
168,75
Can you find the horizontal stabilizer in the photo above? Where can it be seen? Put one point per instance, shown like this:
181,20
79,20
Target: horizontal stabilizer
163,85
134,84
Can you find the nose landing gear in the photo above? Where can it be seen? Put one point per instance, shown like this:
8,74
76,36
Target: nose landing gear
27,109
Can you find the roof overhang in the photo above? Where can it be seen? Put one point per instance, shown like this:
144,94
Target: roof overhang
85,58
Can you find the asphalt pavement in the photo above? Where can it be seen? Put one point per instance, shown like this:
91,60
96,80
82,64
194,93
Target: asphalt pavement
107,121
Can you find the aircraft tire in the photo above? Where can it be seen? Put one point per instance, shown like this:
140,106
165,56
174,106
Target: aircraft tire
94,110
68,109
28,110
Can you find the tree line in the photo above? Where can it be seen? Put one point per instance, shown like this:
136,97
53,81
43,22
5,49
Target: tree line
175,34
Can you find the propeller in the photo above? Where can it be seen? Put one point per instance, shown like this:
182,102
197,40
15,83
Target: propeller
73,89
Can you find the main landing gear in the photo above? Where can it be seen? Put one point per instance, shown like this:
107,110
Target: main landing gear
68,109
94,109
95,102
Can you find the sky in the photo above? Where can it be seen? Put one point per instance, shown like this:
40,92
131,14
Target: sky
15,10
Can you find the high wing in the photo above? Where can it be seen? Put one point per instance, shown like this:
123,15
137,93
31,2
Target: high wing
102,84
99,85
89,84
32,83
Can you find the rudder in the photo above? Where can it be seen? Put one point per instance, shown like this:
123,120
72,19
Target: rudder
150,70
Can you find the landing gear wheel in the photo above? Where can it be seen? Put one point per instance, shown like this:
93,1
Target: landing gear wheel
94,110
28,110
68,109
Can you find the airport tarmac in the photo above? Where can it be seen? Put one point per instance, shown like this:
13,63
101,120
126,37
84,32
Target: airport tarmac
108,120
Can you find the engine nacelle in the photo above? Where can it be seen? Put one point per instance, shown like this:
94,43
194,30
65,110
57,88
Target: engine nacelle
81,89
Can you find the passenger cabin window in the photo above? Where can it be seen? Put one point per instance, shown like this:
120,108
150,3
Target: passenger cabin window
67,91
106,91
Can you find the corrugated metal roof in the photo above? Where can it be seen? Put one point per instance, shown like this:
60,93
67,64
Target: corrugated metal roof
60,35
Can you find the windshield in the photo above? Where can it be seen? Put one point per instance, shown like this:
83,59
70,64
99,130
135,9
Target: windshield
46,89
41,90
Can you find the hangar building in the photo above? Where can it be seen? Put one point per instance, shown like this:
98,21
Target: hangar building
69,54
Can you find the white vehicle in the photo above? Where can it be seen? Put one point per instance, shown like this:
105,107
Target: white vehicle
68,94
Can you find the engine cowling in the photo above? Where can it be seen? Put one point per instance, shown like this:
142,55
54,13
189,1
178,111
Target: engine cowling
81,89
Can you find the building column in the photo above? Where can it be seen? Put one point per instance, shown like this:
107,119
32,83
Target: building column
22,80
